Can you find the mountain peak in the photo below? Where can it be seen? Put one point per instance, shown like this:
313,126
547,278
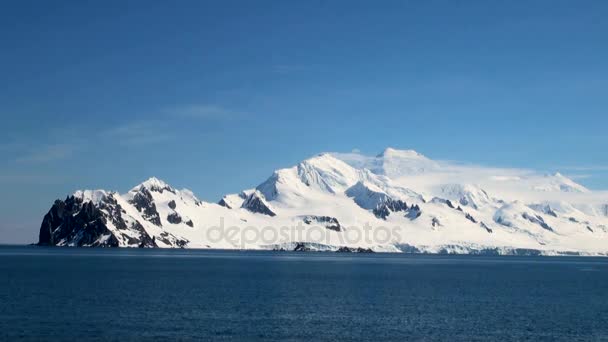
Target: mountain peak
322,158
393,152
327,172
95,196
154,184
398,163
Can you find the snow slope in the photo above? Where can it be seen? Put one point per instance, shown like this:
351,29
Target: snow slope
396,201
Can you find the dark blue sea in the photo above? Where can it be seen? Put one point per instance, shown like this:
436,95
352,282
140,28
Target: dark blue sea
64,294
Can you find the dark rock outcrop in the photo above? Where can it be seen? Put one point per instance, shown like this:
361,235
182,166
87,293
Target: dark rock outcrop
172,204
443,201
537,219
413,212
171,240
257,204
388,206
73,222
354,250
159,186
174,218
470,217
223,203
328,222
302,247
143,201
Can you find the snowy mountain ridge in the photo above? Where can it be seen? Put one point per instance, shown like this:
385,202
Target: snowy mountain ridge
396,201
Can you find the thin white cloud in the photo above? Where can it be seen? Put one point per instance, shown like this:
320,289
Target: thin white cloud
511,183
578,176
287,68
585,168
138,133
11,146
13,177
202,111
48,153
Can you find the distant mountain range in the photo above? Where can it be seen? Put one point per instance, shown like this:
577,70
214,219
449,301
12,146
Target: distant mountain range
397,201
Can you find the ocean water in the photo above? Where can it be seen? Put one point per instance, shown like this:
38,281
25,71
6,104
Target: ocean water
63,294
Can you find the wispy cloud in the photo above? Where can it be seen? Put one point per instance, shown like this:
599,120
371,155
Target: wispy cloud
47,153
202,111
578,176
14,177
11,146
138,133
288,68
162,127
589,168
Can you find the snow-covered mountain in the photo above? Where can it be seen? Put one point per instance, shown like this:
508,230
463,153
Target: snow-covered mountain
396,201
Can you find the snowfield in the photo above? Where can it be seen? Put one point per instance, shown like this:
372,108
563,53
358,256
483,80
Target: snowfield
397,201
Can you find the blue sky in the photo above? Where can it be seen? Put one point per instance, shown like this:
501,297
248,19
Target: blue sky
215,95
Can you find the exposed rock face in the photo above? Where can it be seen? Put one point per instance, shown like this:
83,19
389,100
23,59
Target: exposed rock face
74,222
354,250
174,218
470,218
96,218
302,247
155,184
256,203
143,201
388,206
538,220
328,222
443,201
235,201
171,240
485,226
144,241
223,203
172,204
414,212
